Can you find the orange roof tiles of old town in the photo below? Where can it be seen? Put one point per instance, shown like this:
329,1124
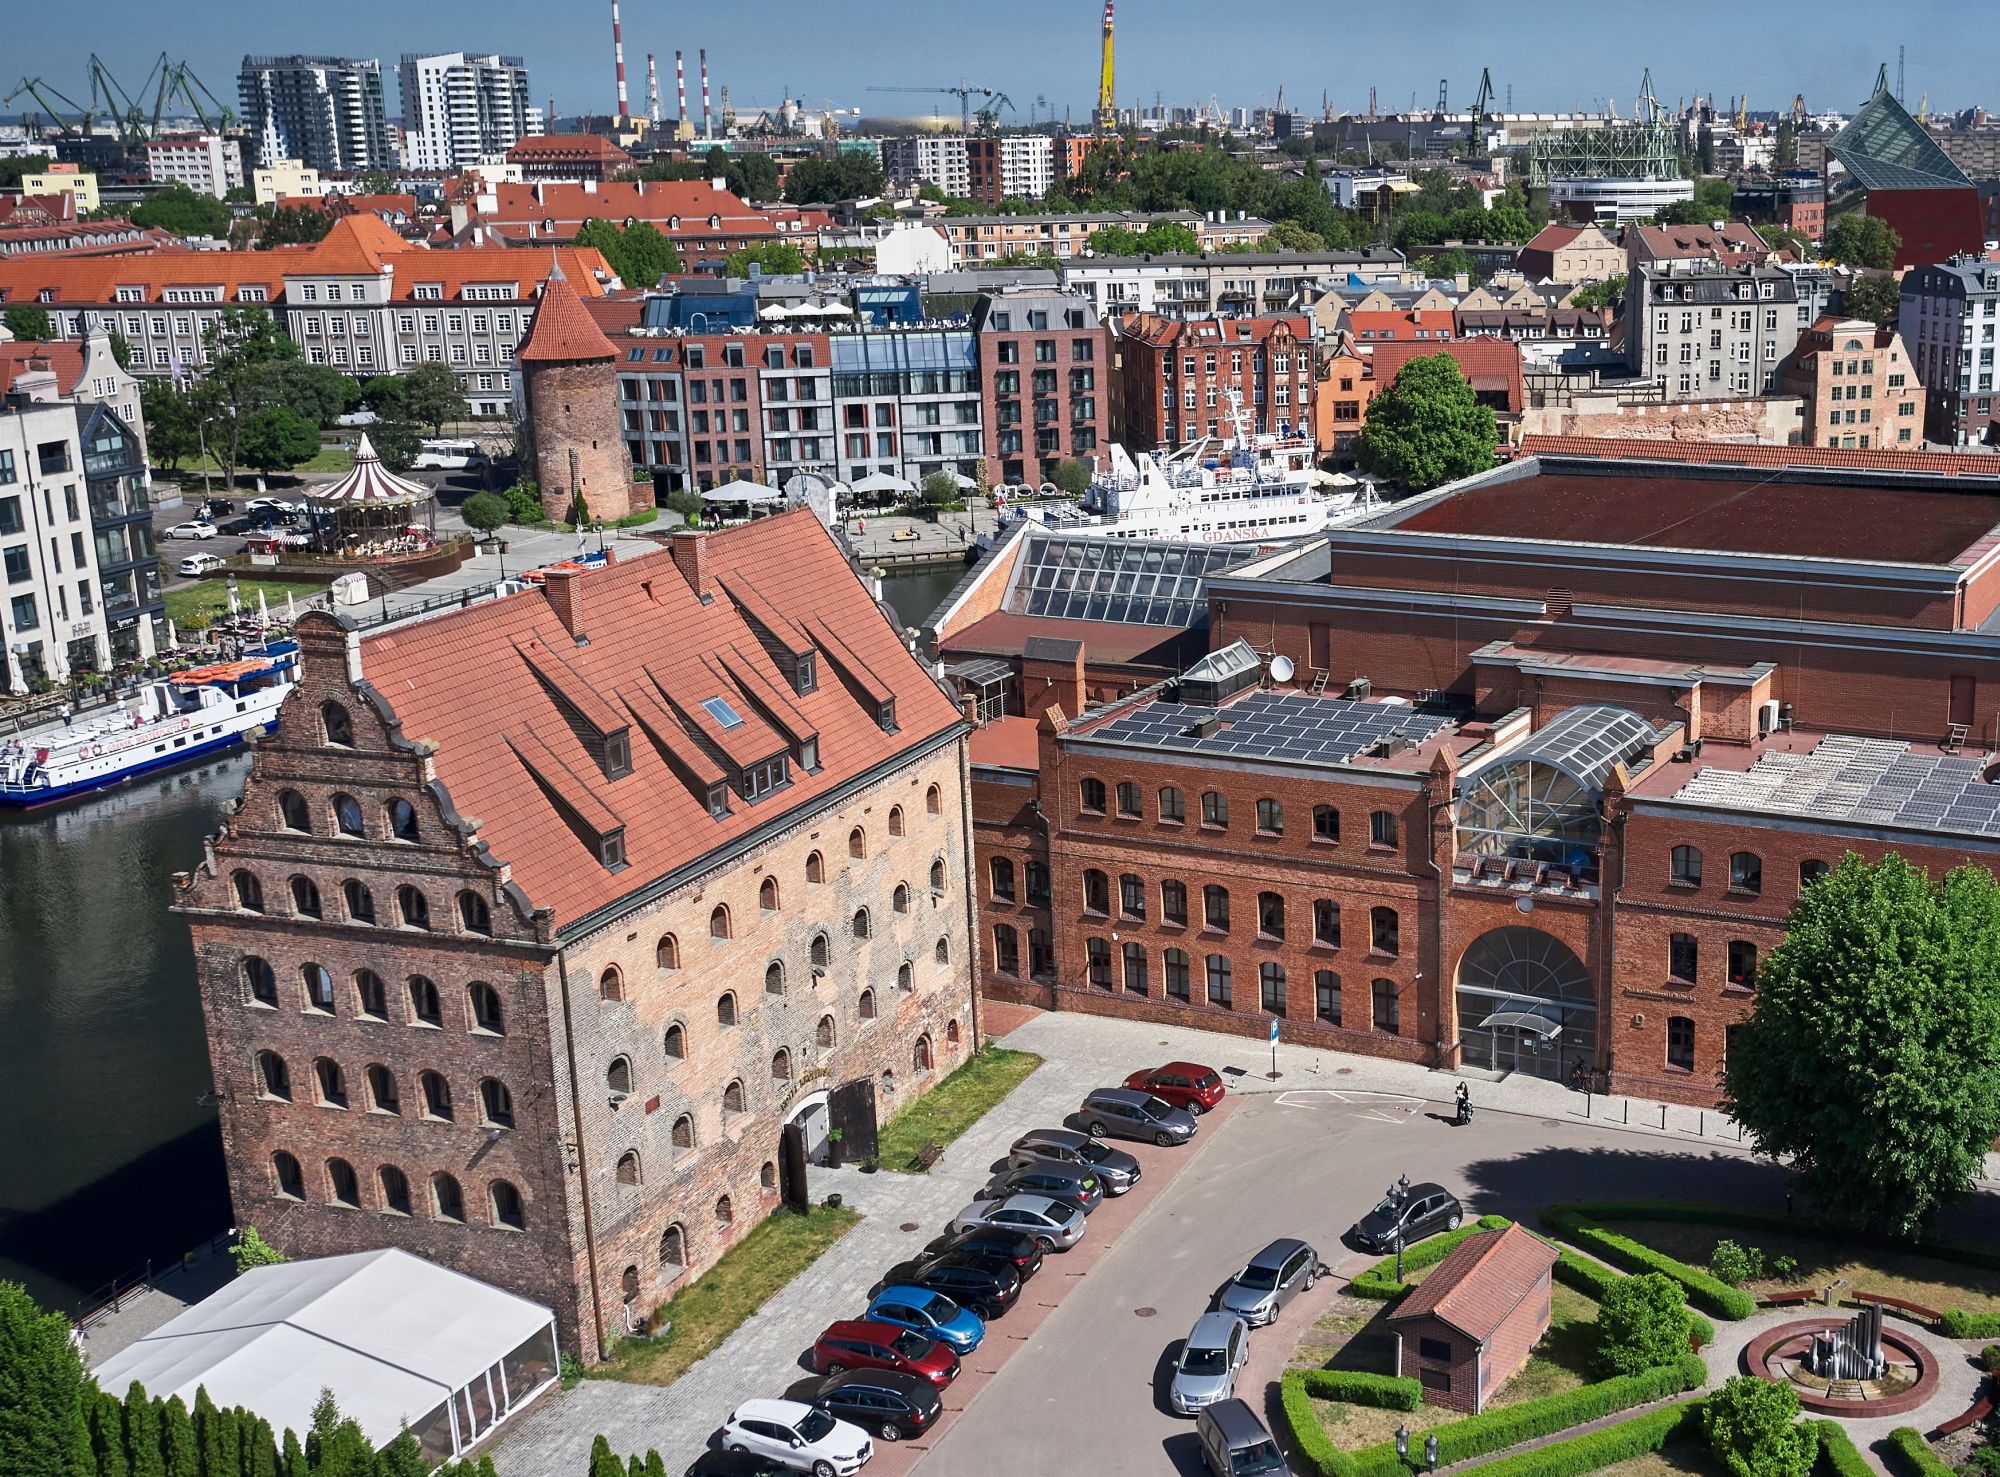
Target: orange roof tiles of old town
563,328
460,681
1478,1284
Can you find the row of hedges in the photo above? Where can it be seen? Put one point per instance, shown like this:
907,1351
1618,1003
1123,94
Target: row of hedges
1493,1430
1580,1224
1956,1323
1595,1280
1838,1455
1355,1387
1379,1281
1698,1212
1912,1456
1599,1449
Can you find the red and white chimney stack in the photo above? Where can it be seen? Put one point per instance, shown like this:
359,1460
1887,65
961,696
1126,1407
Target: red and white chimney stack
681,86
707,131
618,56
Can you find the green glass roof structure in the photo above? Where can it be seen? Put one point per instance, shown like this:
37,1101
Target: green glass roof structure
1884,148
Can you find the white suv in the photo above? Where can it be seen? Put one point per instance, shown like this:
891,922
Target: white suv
798,1436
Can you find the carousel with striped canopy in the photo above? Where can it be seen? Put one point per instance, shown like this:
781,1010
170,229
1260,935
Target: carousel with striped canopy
371,513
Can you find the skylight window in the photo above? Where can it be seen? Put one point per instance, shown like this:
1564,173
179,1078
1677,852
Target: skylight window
721,712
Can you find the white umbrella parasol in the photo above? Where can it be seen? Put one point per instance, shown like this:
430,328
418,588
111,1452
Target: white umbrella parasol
291,610
263,611
961,479
173,638
741,491
883,482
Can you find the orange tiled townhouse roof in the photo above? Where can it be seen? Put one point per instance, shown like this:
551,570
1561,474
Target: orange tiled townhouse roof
1482,1280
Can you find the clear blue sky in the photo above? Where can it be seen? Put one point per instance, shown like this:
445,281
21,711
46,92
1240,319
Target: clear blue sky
1554,53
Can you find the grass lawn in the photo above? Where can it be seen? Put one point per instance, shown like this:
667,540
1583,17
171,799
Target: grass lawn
1321,1346
953,1106
708,1310
1932,1281
195,607
1352,1427
1682,1459
1563,1361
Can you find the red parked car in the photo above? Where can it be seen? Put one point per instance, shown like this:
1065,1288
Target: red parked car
860,1343
1184,1084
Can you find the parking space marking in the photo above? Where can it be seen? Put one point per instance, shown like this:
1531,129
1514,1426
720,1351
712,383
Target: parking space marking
1375,1107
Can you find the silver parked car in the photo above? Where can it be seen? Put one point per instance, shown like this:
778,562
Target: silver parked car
1126,1113
1269,1280
1072,1184
1215,1349
1056,1226
1118,1169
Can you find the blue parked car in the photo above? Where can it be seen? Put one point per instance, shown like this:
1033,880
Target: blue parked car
932,1313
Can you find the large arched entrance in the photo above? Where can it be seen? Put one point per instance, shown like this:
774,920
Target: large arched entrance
1526,1004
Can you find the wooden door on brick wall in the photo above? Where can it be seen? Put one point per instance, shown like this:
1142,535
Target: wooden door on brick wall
851,1110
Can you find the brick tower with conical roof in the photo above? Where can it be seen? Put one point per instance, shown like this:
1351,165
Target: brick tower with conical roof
569,383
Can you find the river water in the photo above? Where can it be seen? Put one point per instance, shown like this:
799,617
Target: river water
915,593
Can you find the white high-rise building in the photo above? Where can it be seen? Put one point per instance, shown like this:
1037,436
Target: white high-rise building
207,163
459,108
324,111
929,159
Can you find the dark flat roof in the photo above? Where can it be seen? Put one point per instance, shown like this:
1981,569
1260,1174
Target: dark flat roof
1803,519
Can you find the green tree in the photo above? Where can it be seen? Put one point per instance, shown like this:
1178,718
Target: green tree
294,225
649,255
1445,263
44,1392
776,258
938,489
1778,238
292,1458
26,321
1863,241
1681,213
602,1462
1785,148
335,1446
432,395
655,1467
383,394
241,344
1605,294
316,391
173,432
1642,1323
252,1250
402,1457
1072,478
484,512
260,1446
396,441
753,176
1704,149
1114,241
178,1448
1428,427
11,170
107,1436
635,1465
1874,297
1419,228
1752,1425
846,176
1872,1058
142,1434
215,1437
121,349
178,209
682,500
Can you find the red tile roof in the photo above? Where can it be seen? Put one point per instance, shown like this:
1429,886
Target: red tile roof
681,208
1741,454
65,362
562,146
509,754
1736,243
1482,1280
357,244
1159,331
562,328
1489,363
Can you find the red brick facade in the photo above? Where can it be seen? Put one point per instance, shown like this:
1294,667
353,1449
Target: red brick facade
1175,376
1046,384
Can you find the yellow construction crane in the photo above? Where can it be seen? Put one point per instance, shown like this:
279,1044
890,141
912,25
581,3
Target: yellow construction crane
1924,109
1107,105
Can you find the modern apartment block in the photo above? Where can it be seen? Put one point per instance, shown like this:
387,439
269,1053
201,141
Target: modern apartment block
978,238
458,108
324,111
940,160
207,163
1010,166
1045,380
1224,282
1706,329
1948,316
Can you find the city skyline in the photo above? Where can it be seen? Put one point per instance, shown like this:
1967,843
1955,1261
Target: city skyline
1050,53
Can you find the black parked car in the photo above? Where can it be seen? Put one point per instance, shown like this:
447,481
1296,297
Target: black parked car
1419,1210
737,1464
988,1287
1022,1253
238,527
882,1402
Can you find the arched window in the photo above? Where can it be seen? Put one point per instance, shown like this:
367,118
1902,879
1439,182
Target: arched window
382,1096
289,1179
725,1214
618,1076
611,984
725,1010
781,1065
906,977
437,1095
1326,823
1173,902
305,897
293,812
360,901
1128,800
1683,957
951,1033
767,895
942,953
1270,818
487,1014
823,1036
319,988
1385,932
1090,796
933,801
1214,808
1383,828
1326,923
1743,964
1135,967
371,996
667,952
1132,895
413,906
505,1202
249,892
867,1005
774,977
496,1103
673,1252
474,916
857,842
732,1101
1271,987
682,1136
888,1082
259,982
1006,949
900,898
895,820
937,875
1215,907
1271,914
674,1043
815,869
402,819
767,1177
822,952
347,816
395,1189
718,921
1686,866
1746,872
861,924
1173,806
342,1185
628,1168
1388,1006
1096,892
447,1200
1000,879
273,1076
335,726
1811,871
425,1007
920,1054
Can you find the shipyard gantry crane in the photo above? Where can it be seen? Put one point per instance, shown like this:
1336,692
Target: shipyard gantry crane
965,93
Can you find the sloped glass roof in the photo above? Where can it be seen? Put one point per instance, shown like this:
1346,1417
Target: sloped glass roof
1885,148
1585,743
1138,581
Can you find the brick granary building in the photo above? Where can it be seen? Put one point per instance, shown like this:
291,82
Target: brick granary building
550,936
1548,759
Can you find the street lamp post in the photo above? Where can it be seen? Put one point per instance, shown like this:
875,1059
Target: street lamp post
1402,1442
1431,1451
1399,1253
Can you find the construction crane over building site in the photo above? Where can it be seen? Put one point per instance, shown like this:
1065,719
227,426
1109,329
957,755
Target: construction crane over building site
1107,103
989,113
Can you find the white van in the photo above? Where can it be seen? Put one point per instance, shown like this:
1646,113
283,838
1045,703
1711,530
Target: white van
449,455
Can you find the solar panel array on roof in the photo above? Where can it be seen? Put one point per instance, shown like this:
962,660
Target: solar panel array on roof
1137,581
1862,780
1273,725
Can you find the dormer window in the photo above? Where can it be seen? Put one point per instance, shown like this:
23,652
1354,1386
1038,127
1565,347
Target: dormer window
611,851
617,755
807,676
718,801
885,715
809,755
760,779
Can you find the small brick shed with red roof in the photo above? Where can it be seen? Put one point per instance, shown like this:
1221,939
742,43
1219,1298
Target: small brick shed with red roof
1469,1327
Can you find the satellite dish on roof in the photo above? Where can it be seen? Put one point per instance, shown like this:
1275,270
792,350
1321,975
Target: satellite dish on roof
1281,669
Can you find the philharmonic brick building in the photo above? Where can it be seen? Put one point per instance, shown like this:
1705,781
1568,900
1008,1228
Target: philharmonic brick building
552,936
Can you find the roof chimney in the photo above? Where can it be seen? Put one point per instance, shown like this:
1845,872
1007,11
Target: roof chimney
564,587
690,551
